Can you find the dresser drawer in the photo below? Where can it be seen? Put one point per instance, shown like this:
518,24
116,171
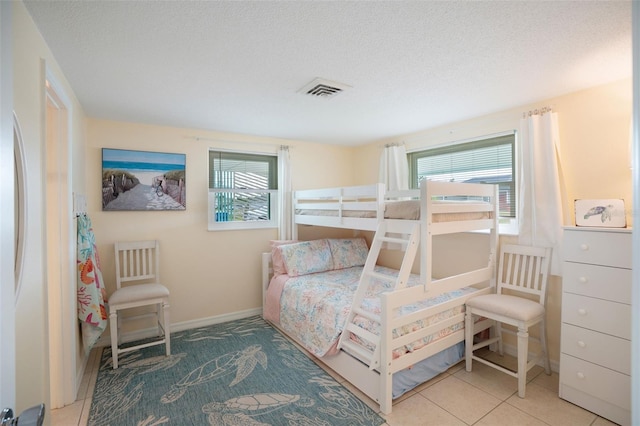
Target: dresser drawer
597,314
602,282
598,348
598,247
597,381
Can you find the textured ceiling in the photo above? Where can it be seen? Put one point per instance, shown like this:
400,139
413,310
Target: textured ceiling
237,66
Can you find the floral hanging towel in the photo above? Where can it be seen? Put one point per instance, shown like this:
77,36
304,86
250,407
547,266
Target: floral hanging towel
91,291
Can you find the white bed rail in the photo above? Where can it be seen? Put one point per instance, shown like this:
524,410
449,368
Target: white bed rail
480,199
352,207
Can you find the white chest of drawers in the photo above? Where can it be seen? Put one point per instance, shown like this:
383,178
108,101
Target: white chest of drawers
595,358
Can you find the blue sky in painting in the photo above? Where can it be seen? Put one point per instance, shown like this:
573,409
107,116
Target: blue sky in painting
122,155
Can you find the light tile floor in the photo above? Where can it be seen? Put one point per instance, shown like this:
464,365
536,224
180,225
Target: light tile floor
484,397
78,412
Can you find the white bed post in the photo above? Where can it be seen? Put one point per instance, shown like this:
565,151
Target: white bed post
386,377
294,227
266,276
493,250
425,241
380,191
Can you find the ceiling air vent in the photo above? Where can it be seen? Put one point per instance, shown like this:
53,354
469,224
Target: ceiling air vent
322,88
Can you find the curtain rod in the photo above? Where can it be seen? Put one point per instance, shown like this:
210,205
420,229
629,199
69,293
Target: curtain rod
540,111
225,141
389,145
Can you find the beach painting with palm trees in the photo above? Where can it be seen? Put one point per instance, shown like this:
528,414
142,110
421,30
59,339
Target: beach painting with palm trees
143,180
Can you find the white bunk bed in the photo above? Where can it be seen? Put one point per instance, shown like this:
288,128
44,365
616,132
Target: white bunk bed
444,208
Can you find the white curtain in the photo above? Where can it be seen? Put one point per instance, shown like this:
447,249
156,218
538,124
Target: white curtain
540,205
285,208
394,169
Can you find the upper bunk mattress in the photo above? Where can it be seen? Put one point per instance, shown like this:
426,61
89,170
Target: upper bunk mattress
409,210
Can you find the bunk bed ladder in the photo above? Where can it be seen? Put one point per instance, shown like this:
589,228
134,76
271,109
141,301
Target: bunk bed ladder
406,235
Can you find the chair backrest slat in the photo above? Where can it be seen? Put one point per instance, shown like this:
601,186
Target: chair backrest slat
144,254
526,281
509,270
137,261
524,269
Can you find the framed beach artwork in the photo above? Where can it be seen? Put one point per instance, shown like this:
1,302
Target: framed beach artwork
143,180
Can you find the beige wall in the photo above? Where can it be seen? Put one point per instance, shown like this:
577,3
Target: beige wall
216,273
594,138
31,57
209,273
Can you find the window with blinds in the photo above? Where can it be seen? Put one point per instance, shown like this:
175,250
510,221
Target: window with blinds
243,190
482,161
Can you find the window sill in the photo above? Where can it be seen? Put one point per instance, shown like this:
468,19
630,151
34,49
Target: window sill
510,227
240,226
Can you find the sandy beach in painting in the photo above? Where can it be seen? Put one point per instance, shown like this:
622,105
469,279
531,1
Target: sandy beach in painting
144,196
146,178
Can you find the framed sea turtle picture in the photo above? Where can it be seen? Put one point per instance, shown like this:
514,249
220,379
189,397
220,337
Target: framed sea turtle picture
601,213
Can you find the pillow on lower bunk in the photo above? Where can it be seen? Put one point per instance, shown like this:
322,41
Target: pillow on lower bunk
307,257
276,256
348,252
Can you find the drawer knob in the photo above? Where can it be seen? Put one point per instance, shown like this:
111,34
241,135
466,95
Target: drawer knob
581,343
582,311
584,247
580,375
583,280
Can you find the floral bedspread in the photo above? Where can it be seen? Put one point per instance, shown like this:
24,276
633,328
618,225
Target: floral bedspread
314,308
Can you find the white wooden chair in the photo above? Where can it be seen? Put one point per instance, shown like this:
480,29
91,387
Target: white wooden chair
138,285
519,301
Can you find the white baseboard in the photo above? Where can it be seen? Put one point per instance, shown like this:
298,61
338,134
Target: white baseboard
204,322
105,339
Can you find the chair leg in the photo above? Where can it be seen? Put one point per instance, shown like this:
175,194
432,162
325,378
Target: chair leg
468,339
160,319
113,324
523,351
498,331
543,345
166,326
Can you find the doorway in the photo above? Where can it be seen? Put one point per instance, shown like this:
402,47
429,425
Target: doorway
60,259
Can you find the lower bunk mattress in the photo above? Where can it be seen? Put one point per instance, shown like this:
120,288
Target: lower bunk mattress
313,308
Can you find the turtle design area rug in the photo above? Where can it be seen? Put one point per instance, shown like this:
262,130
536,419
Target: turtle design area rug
242,372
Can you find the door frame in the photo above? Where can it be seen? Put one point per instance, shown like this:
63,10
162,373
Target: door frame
7,235
60,257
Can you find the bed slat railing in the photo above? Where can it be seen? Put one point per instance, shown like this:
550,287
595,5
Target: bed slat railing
353,207
444,189
441,228
335,206
428,330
